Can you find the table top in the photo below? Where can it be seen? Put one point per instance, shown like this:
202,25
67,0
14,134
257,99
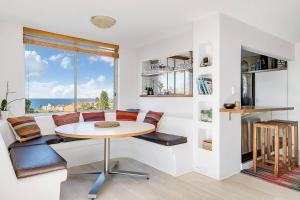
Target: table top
89,131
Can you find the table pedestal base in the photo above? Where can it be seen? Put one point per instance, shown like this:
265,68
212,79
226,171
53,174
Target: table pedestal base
108,171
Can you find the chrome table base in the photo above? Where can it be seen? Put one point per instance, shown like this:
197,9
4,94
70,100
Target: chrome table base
108,171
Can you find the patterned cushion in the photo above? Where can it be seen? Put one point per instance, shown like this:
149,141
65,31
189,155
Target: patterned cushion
153,117
24,128
133,110
93,116
71,118
126,116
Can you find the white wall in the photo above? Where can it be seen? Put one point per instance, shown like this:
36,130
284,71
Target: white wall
12,69
127,83
173,45
12,64
271,89
294,89
235,34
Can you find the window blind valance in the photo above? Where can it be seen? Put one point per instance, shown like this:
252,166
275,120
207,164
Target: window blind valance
69,43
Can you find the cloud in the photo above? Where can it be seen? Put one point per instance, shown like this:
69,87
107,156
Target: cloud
89,89
55,57
66,63
109,60
101,78
34,63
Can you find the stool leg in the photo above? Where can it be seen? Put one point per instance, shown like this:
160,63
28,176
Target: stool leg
268,144
254,147
276,166
284,147
262,146
290,148
296,151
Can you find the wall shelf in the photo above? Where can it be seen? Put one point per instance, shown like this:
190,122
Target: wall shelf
165,72
171,95
263,70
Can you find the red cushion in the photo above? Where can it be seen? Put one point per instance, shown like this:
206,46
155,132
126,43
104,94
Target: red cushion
153,117
71,118
93,116
126,116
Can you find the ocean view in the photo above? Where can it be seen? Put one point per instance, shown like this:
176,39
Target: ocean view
37,103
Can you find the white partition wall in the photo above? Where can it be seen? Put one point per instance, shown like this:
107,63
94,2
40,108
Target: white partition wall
206,44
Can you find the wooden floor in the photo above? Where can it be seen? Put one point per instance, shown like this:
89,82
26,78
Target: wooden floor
191,186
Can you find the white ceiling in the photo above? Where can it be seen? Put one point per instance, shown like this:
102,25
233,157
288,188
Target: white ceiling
142,21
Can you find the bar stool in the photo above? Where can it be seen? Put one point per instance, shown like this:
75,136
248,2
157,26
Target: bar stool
293,160
265,129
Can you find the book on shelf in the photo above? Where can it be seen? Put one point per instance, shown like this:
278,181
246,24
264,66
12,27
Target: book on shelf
204,85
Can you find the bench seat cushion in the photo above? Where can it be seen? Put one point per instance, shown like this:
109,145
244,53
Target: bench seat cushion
69,139
46,139
37,159
163,138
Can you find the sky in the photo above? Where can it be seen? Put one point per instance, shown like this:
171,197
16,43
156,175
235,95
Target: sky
50,73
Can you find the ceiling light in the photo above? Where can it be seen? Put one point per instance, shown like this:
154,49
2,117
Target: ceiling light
103,21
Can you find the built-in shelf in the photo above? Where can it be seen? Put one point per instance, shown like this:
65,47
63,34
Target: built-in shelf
165,72
264,70
170,95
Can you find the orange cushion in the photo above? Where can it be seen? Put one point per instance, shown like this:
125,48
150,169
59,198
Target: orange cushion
126,116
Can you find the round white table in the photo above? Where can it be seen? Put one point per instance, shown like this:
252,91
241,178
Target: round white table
87,130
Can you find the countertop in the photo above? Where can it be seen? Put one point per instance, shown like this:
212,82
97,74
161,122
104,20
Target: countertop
252,109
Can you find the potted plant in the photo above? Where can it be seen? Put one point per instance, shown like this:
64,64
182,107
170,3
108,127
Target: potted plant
4,104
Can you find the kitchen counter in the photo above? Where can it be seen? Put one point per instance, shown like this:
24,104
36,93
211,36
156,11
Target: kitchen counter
252,109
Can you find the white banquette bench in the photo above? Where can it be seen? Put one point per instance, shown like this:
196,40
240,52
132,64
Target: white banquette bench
175,160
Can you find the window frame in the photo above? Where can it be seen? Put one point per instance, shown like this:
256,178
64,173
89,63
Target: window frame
75,49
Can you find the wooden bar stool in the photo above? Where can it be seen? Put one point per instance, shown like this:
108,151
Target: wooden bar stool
265,130
293,160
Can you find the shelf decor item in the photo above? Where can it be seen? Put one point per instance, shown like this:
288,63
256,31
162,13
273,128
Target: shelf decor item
207,144
205,62
206,115
204,85
229,105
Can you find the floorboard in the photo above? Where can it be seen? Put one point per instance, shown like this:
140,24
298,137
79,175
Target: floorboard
161,186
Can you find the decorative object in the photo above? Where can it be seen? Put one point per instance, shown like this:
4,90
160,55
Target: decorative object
244,66
126,116
207,144
229,105
4,103
24,128
204,62
103,21
204,85
107,124
206,115
71,118
93,116
237,104
4,114
289,179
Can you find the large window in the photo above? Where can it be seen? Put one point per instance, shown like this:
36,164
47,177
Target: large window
62,80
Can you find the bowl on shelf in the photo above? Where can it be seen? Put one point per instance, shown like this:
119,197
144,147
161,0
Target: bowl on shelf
229,105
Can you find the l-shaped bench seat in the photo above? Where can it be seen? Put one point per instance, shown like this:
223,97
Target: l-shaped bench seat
36,156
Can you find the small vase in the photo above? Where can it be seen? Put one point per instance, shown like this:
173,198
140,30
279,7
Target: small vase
4,115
